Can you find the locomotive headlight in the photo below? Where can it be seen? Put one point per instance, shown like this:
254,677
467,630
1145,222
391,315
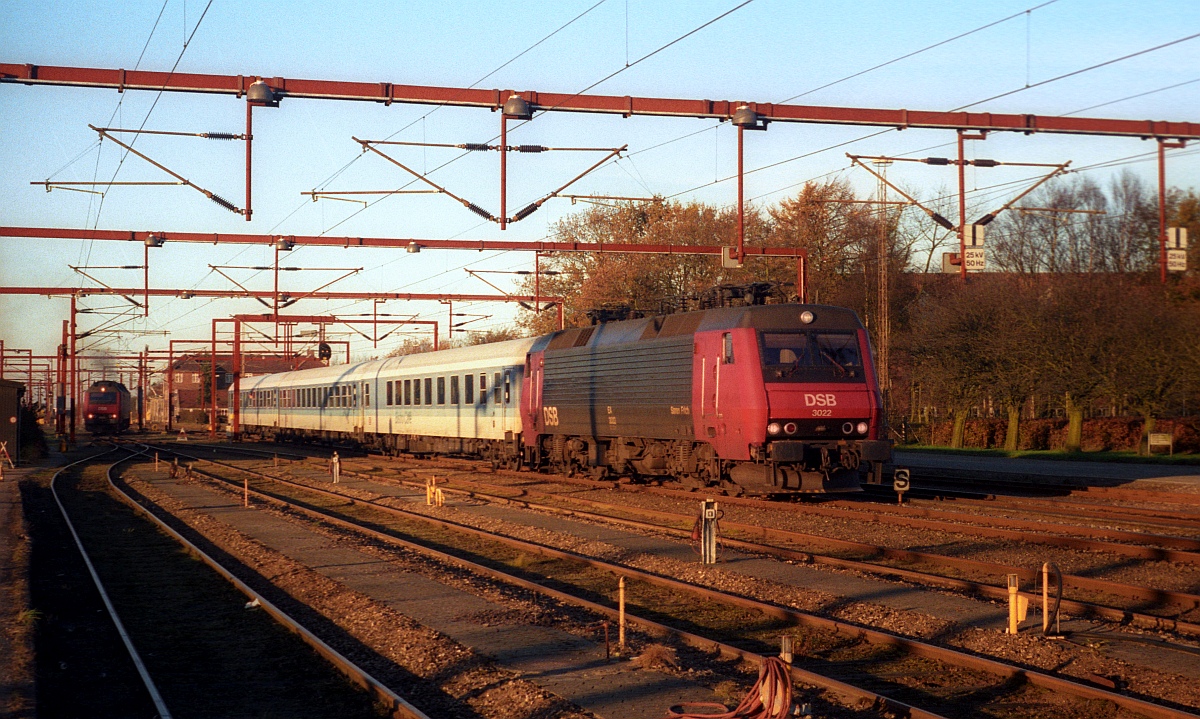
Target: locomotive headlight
774,428
790,428
807,317
862,427
91,416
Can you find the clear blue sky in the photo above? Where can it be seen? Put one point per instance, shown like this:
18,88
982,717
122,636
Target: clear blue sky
768,51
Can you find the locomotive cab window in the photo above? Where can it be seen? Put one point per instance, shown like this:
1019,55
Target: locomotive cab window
727,348
811,356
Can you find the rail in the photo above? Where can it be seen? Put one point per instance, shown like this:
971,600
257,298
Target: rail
397,705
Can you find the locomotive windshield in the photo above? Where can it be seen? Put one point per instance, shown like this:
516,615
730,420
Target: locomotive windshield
811,357
103,397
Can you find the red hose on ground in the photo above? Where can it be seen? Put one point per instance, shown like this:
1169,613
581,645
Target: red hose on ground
769,698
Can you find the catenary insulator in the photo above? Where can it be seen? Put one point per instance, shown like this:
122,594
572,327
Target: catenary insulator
984,163
480,211
221,136
530,148
986,218
525,212
224,203
936,160
475,146
942,221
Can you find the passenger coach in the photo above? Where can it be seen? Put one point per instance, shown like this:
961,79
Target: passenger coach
456,401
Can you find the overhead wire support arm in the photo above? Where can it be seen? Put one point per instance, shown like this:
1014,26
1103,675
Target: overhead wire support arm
949,161
334,194
210,195
242,287
204,135
533,207
597,199
484,147
294,300
857,160
80,270
75,185
368,145
1058,170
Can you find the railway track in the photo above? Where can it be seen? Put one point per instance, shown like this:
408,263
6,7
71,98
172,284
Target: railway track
1143,606
1162,516
188,640
946,483
337,507
751,538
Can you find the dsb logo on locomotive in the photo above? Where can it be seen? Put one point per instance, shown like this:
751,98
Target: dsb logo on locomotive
820,400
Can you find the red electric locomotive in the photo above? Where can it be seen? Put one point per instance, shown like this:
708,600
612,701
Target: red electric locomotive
106,408
767,398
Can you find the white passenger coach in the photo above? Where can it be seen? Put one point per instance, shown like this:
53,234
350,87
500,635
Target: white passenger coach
462,400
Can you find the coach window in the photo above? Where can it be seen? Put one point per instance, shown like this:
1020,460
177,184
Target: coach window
483,388
496,388
727,355
428,390
469,389
408,391
366,395
507,387
441,384
416,391
454,389
389,394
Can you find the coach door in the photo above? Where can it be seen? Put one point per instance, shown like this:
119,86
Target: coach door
366,420
500,396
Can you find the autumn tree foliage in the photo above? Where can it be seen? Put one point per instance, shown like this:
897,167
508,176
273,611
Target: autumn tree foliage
835,233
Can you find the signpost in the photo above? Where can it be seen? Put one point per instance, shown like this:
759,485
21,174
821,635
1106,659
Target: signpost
973,251
1177,241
